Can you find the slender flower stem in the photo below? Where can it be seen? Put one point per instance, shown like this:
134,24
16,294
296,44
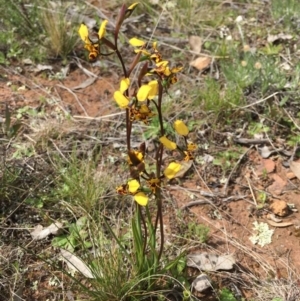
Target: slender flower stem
159,217
122,63
145,229
160,92
128,122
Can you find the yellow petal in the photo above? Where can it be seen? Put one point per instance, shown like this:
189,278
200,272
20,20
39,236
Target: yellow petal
181,128
141,198
168,143
191,147
172,169
167,71
121,100
135,157
132,6
133,186
102,29
83,32
176,69
143,92
162,64
124,85
143,51
144,109
136,42
154,89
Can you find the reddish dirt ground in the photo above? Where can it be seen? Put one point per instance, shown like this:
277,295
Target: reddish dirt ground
28,89
234,219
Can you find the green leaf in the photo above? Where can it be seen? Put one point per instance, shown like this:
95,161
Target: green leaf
60,241
226,295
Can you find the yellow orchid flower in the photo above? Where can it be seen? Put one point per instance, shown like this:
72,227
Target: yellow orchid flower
133,186
172,169
191,147
93,48
132,6
154,89
102,30
143,92
136,42
124,85
181,128
141,198
153,183
167,143
135,157
148,91
130,9
176,69
121,100
142,113
84,33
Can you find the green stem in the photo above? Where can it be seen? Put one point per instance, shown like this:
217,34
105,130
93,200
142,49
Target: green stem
159,217
145,227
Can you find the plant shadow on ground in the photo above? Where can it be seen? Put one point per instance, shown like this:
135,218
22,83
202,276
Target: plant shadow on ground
60,168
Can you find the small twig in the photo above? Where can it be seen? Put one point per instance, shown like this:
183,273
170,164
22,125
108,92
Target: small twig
56,147
234,198
99,118
253,196
197,172
234,169
205,201
86,71
279,225
195,203
201,192
246,141
75,96
259,101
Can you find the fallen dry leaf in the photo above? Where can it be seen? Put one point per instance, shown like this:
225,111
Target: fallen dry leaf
210,262
201,63
201,283
85,84
265,152
277,186
295,168
40,68
290,175
274,38
76,264
195,43
40,232
185,166
280,225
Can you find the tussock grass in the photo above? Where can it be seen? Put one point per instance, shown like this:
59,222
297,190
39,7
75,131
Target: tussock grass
61,36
